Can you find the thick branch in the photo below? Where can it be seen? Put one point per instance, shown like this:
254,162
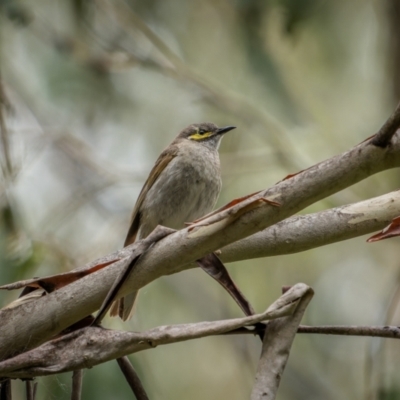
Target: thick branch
88,347
304,232
276,347
31,324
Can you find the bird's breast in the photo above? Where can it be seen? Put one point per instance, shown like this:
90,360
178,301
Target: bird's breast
187,189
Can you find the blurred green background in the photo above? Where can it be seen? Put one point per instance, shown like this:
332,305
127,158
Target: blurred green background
94,90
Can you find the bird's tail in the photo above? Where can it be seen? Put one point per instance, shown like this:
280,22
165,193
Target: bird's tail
125,306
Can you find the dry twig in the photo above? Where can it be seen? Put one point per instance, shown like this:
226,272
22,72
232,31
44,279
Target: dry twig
388,130
77,377
132,378
277,342
91,346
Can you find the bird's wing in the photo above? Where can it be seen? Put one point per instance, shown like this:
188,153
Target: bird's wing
165,158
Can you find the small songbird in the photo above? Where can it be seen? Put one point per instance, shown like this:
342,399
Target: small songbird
183,185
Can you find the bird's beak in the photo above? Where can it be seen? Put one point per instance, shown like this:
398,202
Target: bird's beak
225,129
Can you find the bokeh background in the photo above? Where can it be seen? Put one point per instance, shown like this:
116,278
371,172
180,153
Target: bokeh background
92,91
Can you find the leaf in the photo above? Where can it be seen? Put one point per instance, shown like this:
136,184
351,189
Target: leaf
225,207
54,282
392,230
291,175
233,210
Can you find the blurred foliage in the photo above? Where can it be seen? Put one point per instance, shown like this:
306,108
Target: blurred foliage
94,90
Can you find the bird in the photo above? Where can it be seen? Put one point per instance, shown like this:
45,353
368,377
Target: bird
183,185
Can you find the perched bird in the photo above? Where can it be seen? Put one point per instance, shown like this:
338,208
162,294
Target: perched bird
183,185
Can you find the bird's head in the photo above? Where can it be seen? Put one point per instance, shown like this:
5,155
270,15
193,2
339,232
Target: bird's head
206,133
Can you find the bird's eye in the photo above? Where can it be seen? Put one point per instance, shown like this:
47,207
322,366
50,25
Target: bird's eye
199,134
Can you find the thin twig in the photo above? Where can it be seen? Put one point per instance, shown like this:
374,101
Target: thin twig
30,390
35,386
132,378
376,359
391,332
5,390
77,377
389,128
214,267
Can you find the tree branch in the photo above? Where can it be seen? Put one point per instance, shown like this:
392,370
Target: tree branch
33,323
390,332
91,346
77,378
275,351
386,331
389,128
5,390
132,378
304,232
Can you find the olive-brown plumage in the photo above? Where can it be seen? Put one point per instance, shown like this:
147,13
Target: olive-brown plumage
183,185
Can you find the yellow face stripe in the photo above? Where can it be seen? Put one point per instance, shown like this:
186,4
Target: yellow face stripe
200,136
